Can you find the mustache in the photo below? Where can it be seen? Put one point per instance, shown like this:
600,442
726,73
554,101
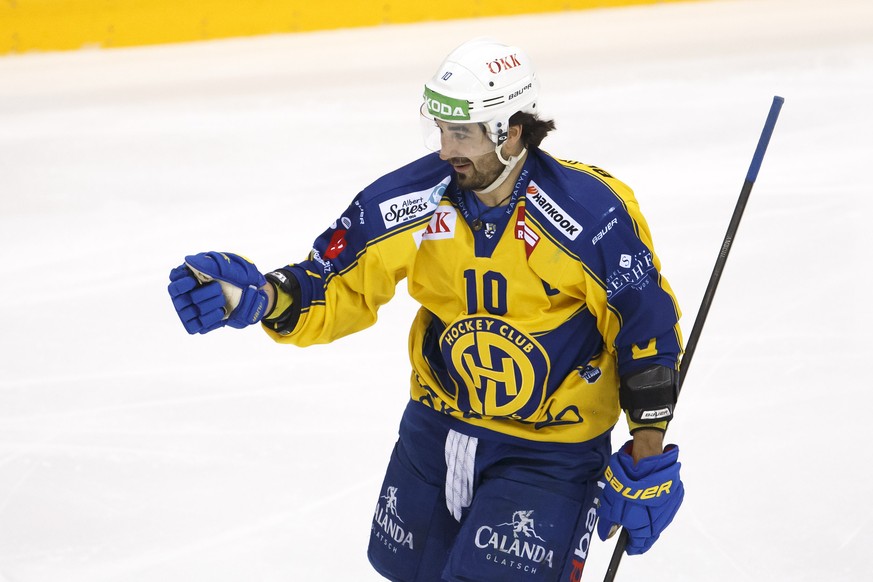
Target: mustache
459,161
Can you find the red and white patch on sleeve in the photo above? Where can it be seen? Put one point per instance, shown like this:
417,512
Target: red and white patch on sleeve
337,244
524,232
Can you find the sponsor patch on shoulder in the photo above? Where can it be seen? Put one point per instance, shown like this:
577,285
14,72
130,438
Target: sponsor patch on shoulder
442,224
553,212
407,207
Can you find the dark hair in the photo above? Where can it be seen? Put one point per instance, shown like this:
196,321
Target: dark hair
533,129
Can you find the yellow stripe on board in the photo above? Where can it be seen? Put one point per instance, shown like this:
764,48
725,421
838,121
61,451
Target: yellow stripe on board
28,25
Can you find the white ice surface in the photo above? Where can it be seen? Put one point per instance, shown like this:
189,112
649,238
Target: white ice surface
132,452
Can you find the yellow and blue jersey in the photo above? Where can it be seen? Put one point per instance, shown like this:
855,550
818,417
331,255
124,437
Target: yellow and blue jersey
529,313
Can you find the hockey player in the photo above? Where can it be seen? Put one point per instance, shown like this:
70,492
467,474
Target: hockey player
543,315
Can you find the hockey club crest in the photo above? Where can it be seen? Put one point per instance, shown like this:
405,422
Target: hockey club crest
499,369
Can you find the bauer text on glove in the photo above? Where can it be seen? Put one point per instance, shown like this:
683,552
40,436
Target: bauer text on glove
642,497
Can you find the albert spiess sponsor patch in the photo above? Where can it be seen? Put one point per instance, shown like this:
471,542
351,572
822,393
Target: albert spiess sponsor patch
407,207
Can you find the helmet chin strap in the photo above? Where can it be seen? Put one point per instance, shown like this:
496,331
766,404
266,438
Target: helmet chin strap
509,165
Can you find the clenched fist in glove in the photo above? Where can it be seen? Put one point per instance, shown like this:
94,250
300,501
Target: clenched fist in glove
642,497
211,290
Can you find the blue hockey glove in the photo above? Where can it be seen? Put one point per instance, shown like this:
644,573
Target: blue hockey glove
643,498
211,290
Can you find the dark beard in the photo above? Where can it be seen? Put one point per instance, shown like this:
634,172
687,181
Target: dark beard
475,181
481,177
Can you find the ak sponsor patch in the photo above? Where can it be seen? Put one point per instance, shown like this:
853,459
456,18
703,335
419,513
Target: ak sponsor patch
442,224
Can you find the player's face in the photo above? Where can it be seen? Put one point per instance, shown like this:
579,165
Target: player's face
468,149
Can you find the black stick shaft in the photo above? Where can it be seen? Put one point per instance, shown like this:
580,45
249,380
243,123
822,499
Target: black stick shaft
728,241
711,287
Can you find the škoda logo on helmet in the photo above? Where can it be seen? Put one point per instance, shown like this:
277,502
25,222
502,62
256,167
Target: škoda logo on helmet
446,107
445,110
503,63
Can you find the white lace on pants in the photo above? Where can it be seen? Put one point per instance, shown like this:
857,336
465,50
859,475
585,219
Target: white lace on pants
460,465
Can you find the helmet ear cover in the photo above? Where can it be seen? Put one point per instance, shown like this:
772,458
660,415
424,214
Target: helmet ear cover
649,394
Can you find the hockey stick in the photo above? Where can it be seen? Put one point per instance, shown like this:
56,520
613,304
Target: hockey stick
709,294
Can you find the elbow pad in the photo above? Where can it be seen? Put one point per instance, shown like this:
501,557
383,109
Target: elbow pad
649,395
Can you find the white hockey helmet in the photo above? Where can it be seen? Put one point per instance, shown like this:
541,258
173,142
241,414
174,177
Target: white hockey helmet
483,82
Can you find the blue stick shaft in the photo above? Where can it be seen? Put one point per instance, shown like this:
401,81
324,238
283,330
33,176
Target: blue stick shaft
709,294
765,139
